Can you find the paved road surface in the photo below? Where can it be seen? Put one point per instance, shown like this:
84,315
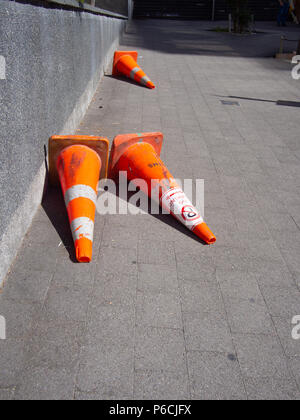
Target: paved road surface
158,314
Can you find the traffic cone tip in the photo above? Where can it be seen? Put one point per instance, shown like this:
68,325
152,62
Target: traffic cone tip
151,85
203,232
84,250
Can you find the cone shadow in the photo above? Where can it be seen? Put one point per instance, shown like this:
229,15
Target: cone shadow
54,206
126,80
167,219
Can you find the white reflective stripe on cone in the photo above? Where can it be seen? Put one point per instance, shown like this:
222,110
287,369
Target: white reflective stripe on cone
144,80
82,227
80,191
133,72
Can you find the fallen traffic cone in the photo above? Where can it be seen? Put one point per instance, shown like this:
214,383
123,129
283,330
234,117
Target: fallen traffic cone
125,62
139,156
78,162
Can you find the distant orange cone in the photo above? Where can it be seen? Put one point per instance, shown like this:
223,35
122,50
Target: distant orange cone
138,156
78,162
125,62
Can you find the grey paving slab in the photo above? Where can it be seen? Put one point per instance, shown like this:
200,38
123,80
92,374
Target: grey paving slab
111,260
119,236
12,357
159,349
158,314
233,258
113,289
41,234
162,253
54,345
215,376
249,221
291,257
270,389
164,280
200,297
261,356
161,385
36,258
277,278
66,303
261,266
107,371
19,317
111,326
282,301
249,317
159,310
294,364
245,306
69,275
99,395
46,384
265,248
192,267
296,277
7,394
207,332
227,235
28,286
283,239
284,329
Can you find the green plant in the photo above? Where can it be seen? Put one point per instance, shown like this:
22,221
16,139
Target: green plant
241,15
220,29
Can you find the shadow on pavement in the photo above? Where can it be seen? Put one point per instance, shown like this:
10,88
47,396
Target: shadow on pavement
279,102
289,103
54,206
168,219
126,80
197,38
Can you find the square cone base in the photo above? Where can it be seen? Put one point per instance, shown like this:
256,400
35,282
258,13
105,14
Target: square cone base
57,143
118,55
123,141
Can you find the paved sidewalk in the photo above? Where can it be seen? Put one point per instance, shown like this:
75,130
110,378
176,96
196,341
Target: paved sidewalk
157,314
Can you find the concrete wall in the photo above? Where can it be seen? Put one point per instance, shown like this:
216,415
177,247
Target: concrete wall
54,59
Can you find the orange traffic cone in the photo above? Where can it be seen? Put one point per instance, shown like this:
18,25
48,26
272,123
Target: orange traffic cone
138,156
79,162
125,62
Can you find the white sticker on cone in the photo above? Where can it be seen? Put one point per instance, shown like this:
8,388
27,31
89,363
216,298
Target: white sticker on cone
176,202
